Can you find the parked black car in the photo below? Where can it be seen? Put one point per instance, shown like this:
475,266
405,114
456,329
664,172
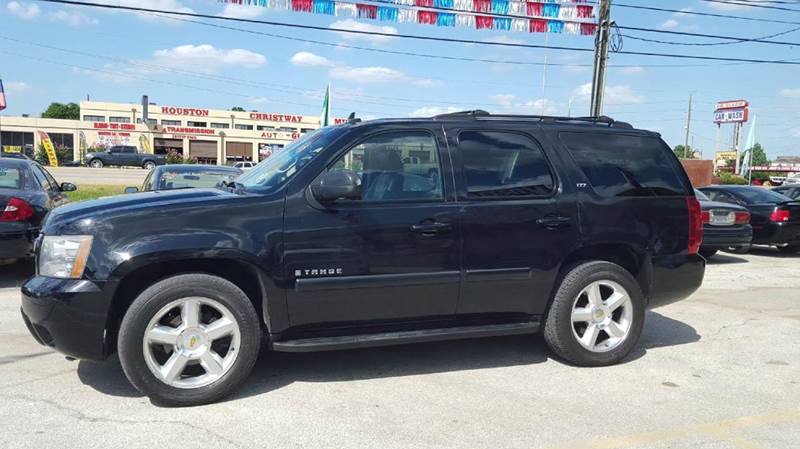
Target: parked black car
27,193
170,177
726,227
792,191
570,226
124,156
775,218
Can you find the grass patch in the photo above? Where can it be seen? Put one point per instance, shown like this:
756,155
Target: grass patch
90,192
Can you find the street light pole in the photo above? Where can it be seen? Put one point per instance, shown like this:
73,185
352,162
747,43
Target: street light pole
601,58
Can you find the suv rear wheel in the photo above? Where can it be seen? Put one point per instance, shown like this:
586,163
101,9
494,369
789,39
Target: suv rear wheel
96,163
149,165
189,340
597,315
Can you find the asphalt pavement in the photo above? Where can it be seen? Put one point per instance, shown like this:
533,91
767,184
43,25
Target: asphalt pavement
720,370
128,176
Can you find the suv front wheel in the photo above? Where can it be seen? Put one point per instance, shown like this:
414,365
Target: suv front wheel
596,316
189,340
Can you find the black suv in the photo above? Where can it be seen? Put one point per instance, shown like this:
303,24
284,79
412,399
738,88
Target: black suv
518,224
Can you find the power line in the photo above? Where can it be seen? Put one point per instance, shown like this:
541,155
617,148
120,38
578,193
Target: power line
418,37
752,5
733,39
705,14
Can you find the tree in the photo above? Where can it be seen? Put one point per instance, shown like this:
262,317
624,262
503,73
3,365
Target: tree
69,111
682,152
237,109
759,155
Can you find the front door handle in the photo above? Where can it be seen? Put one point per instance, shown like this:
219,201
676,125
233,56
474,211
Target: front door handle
554,222
429,229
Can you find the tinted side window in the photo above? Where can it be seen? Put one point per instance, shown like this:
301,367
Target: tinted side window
385,176
503,164
41,179
50,179
129,149
623,165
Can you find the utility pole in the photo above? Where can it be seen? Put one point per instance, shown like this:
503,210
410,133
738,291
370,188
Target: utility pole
601,58
688,129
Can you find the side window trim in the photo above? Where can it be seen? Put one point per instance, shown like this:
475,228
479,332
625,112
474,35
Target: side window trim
361,203
459,166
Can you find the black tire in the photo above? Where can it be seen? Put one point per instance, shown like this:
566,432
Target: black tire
157,296
96,163
149,165
558,327
789,249
708,253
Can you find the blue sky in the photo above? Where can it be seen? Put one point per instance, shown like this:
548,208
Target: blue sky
117,57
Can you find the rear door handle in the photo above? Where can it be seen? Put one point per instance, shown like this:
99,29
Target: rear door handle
554,222
431,228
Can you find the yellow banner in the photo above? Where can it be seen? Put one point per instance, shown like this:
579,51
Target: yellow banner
144,142
726,155
49,148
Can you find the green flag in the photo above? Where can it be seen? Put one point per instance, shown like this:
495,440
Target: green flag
325,119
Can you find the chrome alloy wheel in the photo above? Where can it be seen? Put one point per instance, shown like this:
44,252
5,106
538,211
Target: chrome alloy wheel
191,342
602,315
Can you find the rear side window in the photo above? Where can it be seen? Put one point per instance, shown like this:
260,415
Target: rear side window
10,178
623,165
503,164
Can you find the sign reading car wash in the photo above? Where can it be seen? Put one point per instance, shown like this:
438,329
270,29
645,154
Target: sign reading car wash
737,111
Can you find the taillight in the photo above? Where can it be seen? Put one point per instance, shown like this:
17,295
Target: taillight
779,216
695,225
706,216
742,218
17,210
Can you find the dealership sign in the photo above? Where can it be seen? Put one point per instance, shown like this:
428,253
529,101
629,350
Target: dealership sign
194,112
737,111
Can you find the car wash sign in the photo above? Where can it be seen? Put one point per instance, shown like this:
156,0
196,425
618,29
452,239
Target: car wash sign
737,111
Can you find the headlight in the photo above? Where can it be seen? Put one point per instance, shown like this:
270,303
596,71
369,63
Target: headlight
64,256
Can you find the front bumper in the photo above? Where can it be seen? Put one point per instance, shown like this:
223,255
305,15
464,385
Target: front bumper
777,234
67,315
16,245
721,237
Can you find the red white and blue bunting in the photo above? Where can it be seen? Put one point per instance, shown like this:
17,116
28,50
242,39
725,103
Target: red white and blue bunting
542,16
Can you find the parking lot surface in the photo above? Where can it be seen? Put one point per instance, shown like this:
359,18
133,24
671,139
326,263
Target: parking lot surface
720,370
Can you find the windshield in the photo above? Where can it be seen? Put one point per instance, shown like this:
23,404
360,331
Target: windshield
701,196
192,179
759,195
274,172
10,178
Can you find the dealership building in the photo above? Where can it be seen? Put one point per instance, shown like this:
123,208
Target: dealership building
212,136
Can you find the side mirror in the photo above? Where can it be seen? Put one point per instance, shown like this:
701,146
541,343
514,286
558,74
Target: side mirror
337,184
131,189
68,187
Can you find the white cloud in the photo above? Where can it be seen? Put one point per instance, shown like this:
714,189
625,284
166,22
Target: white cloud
614,95
790,93
505,40
208,57
73,18
429,111
242,11
510,104
635,70
308,59
27,11
13,88
795,132
669,24
257,100
367,74
350,24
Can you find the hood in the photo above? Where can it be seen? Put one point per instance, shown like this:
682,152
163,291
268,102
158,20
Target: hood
82,218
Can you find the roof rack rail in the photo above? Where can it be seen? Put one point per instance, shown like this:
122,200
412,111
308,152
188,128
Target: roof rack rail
481,114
